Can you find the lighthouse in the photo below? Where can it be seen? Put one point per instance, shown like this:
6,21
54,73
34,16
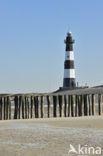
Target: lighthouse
69,70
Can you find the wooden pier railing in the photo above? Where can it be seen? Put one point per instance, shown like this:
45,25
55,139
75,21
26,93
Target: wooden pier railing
47,106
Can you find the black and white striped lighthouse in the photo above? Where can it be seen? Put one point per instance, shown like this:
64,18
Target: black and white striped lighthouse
69,71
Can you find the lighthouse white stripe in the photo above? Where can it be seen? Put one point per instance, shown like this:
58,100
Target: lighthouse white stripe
69,73
69,55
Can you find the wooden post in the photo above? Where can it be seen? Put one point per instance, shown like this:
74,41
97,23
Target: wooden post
31,108
28,105
25,107
82,105
89,106
9,107
5,108
36,106
44,108
79,105
93,104
1,108
85,105
20,107
76,105
69,106
41,107
60,105
78,101
65,106
72,106
39,111
54,106
48,105
62,110
57,107
100,104
16,107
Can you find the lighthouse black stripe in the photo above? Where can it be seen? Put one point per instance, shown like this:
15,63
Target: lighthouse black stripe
69,47
69,64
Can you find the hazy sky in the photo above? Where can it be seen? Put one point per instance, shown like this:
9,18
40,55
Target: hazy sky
32,48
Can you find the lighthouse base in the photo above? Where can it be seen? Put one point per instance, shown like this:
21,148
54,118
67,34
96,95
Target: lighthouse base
69,83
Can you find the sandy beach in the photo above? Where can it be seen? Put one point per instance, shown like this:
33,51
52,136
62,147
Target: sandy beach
49,137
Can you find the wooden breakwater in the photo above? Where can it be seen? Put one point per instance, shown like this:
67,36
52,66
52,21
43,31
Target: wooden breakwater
49,105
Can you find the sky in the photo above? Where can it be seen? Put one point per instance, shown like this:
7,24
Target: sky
32,49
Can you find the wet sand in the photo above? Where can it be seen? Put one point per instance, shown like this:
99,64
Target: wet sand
49,137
